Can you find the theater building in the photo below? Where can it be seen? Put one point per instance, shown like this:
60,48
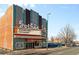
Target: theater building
22,29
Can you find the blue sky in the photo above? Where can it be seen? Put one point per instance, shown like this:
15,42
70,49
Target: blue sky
61,15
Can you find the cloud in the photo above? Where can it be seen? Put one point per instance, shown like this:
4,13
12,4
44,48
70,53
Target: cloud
24,5
20,2
29,6
25,2
32,5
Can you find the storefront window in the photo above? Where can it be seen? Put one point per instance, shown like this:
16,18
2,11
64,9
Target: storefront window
19,45
36,43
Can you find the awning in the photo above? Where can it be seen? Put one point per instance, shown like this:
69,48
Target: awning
33,37
23,34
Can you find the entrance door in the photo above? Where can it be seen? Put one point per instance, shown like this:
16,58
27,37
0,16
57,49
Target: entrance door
30,45
36,44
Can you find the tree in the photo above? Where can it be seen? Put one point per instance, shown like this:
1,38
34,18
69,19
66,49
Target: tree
52,39
68,35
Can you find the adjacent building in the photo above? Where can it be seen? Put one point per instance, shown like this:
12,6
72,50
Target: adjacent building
22,29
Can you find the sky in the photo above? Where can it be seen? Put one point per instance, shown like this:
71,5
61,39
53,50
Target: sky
60,16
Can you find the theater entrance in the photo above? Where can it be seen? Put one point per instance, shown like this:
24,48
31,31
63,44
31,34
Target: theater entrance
29,45
34,44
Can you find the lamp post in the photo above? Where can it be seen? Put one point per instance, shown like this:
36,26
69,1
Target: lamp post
47,29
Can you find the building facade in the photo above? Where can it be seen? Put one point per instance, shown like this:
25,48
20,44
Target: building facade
6,31
22,29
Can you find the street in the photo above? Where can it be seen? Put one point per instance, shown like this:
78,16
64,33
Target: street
69,51
66,51
50,51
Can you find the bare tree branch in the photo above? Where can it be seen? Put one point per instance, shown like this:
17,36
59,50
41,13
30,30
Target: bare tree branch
68,35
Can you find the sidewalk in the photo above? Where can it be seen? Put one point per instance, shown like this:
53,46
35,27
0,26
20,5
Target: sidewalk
41,51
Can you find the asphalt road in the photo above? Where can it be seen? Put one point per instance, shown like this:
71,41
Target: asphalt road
69,51
50,51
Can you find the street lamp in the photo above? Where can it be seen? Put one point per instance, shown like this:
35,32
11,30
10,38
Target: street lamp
47,27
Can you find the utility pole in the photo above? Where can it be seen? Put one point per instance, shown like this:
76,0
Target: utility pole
47,29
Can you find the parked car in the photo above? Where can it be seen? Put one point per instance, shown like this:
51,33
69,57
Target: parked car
53,45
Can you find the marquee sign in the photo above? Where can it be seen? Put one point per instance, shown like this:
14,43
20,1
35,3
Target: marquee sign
23,28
